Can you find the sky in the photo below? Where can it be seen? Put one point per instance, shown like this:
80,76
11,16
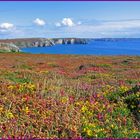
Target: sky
69,19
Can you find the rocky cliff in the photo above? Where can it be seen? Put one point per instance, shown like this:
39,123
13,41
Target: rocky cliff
42,42
16,44
9,47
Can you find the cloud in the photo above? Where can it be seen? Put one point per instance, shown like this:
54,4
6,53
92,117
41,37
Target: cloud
68,22
6,26
122,28
39,22
120,25
82,28
6,29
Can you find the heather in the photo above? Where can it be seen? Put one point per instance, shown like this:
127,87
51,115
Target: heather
69,96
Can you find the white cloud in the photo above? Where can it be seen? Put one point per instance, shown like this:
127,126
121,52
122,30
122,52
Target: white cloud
82,28
120,25
39,22
6,29
122,28
6,26
67,22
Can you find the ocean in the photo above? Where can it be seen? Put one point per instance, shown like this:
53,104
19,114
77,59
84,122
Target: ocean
94,47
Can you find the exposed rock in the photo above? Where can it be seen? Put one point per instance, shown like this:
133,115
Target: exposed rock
9,47
41,42
83,67
59,41
15,44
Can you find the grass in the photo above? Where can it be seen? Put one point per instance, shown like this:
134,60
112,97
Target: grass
3,51
60,96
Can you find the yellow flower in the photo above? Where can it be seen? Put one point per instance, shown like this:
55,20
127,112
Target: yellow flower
102,129
123,88
21,87
84,130
64,99
31,86
1,109
87,103
84,109
9,115
79,103
112,126
92,124
26,110
96,135
89,132
11,87
46,72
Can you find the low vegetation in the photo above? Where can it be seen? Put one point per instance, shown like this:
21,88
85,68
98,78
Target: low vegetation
65,96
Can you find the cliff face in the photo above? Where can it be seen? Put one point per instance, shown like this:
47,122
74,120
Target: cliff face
9,47
16,44
42,42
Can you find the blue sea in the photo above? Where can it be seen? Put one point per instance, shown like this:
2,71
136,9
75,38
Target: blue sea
94,47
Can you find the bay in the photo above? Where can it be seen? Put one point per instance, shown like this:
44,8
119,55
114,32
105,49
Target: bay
94,47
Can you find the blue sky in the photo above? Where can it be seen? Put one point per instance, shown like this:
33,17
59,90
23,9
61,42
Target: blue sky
69,19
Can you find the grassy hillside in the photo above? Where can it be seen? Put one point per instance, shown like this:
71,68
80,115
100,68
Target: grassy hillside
64,96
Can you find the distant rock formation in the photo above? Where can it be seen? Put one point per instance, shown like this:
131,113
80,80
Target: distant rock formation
9,47
16,44
42,42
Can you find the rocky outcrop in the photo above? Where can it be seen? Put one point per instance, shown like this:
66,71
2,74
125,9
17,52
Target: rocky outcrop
49,42
16,44
9,47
